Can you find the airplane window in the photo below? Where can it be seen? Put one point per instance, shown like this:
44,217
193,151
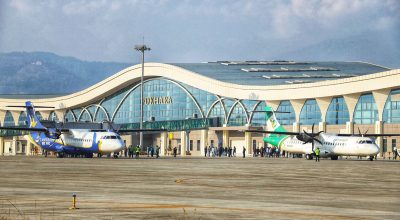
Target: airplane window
368,142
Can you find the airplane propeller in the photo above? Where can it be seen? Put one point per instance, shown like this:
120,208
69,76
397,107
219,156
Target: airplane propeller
309,137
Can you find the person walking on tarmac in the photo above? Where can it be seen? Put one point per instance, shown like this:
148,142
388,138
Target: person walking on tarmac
137,150
244,152
317,152
175,149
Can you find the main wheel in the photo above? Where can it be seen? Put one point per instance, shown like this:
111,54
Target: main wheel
309,157
371,158
334,157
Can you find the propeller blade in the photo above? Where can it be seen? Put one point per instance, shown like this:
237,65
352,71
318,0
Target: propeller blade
317,140
366,132
312,145
359,132
312,128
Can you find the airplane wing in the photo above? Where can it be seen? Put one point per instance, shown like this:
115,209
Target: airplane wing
274,132
33,129
369,135
23,129
126,131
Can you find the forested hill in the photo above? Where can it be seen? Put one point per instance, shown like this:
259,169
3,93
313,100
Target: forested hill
48,73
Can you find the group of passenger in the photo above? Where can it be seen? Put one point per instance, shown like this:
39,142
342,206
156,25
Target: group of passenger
212,151
267,152
151,150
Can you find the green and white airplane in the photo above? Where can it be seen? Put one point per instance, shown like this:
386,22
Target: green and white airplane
330,145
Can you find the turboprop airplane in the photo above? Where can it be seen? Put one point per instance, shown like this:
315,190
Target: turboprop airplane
330,145
70,141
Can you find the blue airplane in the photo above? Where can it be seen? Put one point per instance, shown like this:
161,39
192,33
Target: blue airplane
70,141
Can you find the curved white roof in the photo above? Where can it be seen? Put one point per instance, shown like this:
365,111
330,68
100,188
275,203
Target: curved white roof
327,88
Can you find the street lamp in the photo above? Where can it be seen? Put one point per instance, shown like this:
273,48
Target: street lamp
142,48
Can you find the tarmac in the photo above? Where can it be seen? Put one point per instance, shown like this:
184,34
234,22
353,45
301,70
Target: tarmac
36,187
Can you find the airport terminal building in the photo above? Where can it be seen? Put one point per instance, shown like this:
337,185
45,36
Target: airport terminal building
213,103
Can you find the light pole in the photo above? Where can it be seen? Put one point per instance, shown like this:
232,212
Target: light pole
142,48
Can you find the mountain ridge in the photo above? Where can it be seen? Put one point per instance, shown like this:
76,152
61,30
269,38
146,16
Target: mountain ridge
51,73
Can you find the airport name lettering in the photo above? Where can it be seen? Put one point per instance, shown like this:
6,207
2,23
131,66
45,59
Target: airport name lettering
157,100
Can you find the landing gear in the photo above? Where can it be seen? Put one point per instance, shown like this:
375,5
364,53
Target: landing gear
89,155
309,157
334,157
371,158
60,155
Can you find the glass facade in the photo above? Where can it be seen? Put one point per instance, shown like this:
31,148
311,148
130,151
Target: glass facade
22,120
69,116
310,113
286,118
8,119
238,115
258,118
167,100
338,112
85,116
391,113
366,111
53,116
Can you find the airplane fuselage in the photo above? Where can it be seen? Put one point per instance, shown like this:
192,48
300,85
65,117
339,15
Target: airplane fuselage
79,142
332,145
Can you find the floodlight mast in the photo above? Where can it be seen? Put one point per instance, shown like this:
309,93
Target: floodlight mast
142,48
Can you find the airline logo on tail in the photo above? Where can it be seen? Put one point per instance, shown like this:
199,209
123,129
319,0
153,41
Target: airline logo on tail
272,122
33,122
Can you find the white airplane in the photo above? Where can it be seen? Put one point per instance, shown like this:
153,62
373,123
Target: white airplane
70,141
330,145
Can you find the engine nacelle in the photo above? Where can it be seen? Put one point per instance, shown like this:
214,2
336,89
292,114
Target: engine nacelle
304,137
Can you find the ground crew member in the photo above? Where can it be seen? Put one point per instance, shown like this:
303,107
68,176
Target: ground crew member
130,149
317,152
137,152
175,151
157,151
244,152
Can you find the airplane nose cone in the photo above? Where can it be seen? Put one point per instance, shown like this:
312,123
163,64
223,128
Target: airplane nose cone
375,150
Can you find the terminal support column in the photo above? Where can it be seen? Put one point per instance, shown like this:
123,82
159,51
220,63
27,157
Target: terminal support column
247,141
225,138
322,126
349,127
296,126
28,148
1,146
164,143
203,141
14,146
379,140
184,142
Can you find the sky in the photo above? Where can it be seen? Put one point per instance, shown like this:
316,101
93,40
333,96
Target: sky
196,31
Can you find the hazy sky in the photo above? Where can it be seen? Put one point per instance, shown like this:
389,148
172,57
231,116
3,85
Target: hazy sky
195,30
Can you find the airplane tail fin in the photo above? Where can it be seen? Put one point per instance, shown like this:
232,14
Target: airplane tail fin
272,122
273,125
33,121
